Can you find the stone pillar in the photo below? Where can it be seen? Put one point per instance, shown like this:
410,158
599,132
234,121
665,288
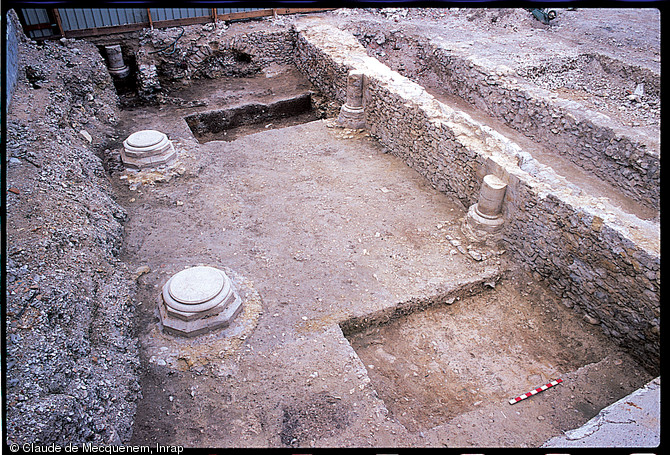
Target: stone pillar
117,67
491,197
484,219
352,114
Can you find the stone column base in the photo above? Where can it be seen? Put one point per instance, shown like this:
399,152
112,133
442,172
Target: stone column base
351,117
198,300
119,73
147,149
479,227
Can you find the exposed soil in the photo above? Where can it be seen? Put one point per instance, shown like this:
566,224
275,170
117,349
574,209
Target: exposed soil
481,351
600,74
305,211
71,360
311,224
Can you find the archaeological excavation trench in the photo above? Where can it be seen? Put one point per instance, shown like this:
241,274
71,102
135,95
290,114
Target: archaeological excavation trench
217,125
336,245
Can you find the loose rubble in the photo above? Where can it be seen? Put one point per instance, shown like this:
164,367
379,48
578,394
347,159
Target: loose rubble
72,362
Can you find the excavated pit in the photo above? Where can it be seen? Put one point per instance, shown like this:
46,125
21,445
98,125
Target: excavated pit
472,353
229,124
451,355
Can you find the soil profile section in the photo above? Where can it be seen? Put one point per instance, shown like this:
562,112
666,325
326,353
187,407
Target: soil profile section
229,124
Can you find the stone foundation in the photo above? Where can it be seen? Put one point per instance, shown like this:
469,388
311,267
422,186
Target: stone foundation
208,51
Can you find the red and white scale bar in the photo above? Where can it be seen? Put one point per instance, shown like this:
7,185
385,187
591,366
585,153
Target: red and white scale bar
533,392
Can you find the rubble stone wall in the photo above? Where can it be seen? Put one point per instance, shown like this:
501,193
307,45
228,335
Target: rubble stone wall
585,137
596,267
585,251
209,51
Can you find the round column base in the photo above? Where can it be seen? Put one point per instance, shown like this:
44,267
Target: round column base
147,149
351,117
119,73
198,300
480,227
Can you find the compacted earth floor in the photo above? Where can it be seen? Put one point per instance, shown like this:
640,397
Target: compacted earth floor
326,235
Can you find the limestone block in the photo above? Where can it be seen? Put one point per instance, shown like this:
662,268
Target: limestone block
355,89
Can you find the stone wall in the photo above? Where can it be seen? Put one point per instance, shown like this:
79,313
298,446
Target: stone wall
603,262
601,269
209,51
587,138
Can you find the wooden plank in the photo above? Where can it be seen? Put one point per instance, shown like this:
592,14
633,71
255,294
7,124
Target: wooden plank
30,28
302,10
151,24
246,15
182,21
56,15
99,31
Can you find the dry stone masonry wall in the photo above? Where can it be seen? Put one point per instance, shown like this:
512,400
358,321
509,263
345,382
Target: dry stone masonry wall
587,138
208,51
594,266
603,262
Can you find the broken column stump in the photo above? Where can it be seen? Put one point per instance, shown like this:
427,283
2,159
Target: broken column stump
484,219
352,114
117,67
